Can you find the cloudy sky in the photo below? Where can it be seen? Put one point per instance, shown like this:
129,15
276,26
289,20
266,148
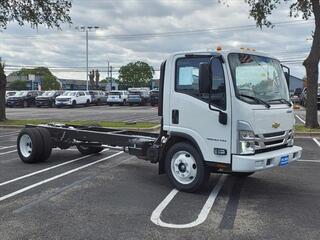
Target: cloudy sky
149,30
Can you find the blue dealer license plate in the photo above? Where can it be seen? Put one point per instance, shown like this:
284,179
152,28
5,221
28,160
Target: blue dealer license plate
284,160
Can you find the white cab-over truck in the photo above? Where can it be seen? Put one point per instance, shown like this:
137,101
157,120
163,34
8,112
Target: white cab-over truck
222,112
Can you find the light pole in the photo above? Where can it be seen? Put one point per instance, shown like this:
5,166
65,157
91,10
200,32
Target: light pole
87,29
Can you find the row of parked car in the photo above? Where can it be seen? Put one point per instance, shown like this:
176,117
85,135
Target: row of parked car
299,96
58,98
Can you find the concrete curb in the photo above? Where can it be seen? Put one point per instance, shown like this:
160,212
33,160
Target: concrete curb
307,134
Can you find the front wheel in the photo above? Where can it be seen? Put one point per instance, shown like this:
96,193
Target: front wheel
186,168
25,104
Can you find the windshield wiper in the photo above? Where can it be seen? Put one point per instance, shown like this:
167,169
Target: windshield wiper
282,100
256,99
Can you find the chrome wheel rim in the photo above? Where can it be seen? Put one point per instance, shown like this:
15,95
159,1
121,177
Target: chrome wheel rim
25,145
183,167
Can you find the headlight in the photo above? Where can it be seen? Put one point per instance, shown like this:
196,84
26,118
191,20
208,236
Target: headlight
246,142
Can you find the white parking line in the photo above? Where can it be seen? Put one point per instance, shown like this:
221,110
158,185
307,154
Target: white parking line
316,141
303,121
58,176
5,147
11,132
4,153
46,169
156,214
8,135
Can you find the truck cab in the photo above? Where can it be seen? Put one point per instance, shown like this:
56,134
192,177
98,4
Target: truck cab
231,109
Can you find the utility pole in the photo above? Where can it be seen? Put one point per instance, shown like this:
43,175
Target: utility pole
87,58
87,29
108,66
111,77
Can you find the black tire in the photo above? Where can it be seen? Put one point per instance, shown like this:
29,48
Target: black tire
74,103
242,174
36,145
202,173
47,143
87,103
25,104
84,150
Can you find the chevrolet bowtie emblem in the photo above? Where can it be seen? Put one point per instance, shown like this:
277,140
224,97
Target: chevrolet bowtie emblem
275,125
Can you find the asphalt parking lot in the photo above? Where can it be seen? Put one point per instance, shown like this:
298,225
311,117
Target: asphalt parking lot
96,113
113,195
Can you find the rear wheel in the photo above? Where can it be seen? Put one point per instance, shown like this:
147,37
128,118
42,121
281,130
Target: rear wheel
86,150
74,103
87,103
185,167
47,143
30,145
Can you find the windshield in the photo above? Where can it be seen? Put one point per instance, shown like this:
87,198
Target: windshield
48,93
20,94
258,77
10,93
69,94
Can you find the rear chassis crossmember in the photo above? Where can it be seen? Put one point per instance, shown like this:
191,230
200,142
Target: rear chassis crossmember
141,144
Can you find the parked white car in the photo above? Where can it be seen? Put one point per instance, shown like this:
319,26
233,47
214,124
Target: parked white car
117,97
73,98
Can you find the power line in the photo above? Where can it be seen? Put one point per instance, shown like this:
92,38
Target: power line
161,34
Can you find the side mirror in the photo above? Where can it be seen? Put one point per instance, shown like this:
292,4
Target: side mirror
286,72
287,76
204,78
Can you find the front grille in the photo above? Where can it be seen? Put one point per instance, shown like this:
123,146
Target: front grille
268,141
276,134
62,100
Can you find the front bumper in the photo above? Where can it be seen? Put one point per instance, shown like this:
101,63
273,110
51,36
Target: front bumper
63,103
134,100
262,161
43,103
114,100
14,103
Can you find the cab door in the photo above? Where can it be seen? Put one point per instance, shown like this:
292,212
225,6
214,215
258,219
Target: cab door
190,114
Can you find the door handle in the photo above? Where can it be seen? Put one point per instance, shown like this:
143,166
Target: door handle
175,116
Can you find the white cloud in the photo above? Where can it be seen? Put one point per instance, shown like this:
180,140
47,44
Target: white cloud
66,48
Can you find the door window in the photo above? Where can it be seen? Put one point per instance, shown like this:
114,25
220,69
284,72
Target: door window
187,80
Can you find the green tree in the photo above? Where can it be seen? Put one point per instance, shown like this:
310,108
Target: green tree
137,74
261,10
3,83
18,85
49,81
40,12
